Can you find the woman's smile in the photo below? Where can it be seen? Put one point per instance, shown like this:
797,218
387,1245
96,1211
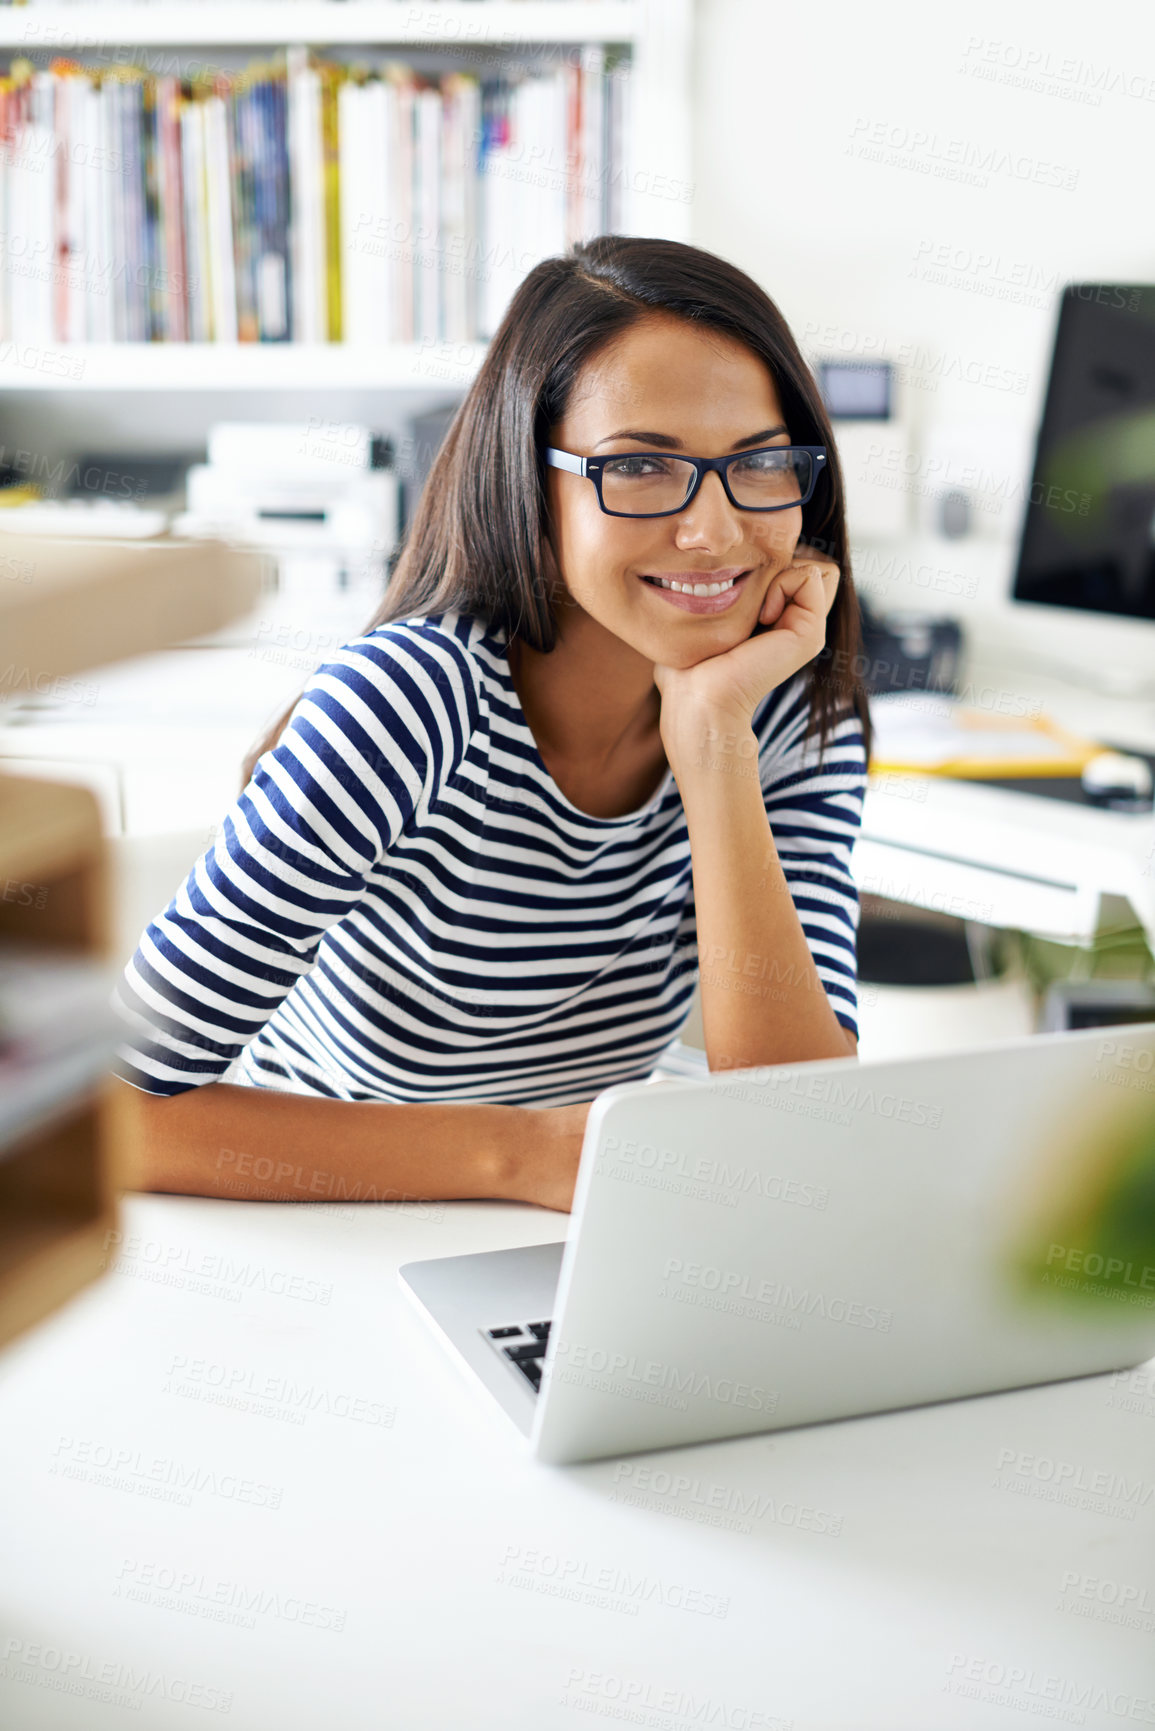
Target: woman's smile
698,591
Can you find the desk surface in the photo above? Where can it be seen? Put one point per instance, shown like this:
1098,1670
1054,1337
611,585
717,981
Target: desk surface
1008,858
242,1479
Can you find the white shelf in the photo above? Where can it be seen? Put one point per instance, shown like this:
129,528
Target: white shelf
236,366
262,23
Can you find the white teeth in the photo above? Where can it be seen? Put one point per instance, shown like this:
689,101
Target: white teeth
696,588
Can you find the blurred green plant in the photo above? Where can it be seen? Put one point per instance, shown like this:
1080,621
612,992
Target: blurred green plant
1093,1241
1119,952
1094,1238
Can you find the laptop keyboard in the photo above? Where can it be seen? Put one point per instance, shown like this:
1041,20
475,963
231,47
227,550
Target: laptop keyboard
523,1344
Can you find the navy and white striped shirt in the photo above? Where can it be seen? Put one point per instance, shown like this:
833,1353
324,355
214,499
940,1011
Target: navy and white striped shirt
402,905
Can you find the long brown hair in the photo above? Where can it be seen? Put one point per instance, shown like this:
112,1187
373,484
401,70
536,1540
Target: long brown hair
479,542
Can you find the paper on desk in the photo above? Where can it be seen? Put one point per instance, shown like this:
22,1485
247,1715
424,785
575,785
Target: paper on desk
933,734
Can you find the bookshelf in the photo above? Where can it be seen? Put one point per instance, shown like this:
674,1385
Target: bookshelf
161,398
487,34
61,1144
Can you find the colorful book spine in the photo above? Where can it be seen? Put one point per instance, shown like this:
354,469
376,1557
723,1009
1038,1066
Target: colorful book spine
299,200
173,325
331,79
242,164
195,218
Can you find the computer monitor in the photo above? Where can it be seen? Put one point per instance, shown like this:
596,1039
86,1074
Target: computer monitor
1088,536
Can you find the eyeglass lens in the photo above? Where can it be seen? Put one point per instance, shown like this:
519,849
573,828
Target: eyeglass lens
642,485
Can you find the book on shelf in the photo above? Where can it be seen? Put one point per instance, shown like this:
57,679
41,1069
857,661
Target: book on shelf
300,199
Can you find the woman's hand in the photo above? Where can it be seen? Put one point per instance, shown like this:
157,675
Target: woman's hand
790,632
546,1160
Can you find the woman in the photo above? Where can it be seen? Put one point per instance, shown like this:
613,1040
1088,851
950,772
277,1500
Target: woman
594,735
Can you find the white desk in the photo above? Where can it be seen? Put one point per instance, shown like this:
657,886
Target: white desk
1011,859
418,1573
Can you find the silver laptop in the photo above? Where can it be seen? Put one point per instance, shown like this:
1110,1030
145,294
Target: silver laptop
766,1248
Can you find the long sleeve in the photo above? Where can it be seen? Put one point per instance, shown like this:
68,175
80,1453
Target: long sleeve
815,813
374,736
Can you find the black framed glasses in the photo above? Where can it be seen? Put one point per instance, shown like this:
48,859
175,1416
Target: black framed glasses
655,484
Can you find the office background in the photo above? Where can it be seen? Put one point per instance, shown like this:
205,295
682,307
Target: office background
932,181
914,192
236,1478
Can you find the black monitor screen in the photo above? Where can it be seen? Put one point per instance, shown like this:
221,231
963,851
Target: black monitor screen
1089,532
1108,1015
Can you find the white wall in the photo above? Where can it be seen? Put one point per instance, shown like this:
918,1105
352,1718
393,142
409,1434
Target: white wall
833,145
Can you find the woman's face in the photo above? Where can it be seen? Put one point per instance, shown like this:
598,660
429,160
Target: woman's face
664,385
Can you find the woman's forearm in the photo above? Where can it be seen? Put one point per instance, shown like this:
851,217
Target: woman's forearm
763,1001
259,1145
